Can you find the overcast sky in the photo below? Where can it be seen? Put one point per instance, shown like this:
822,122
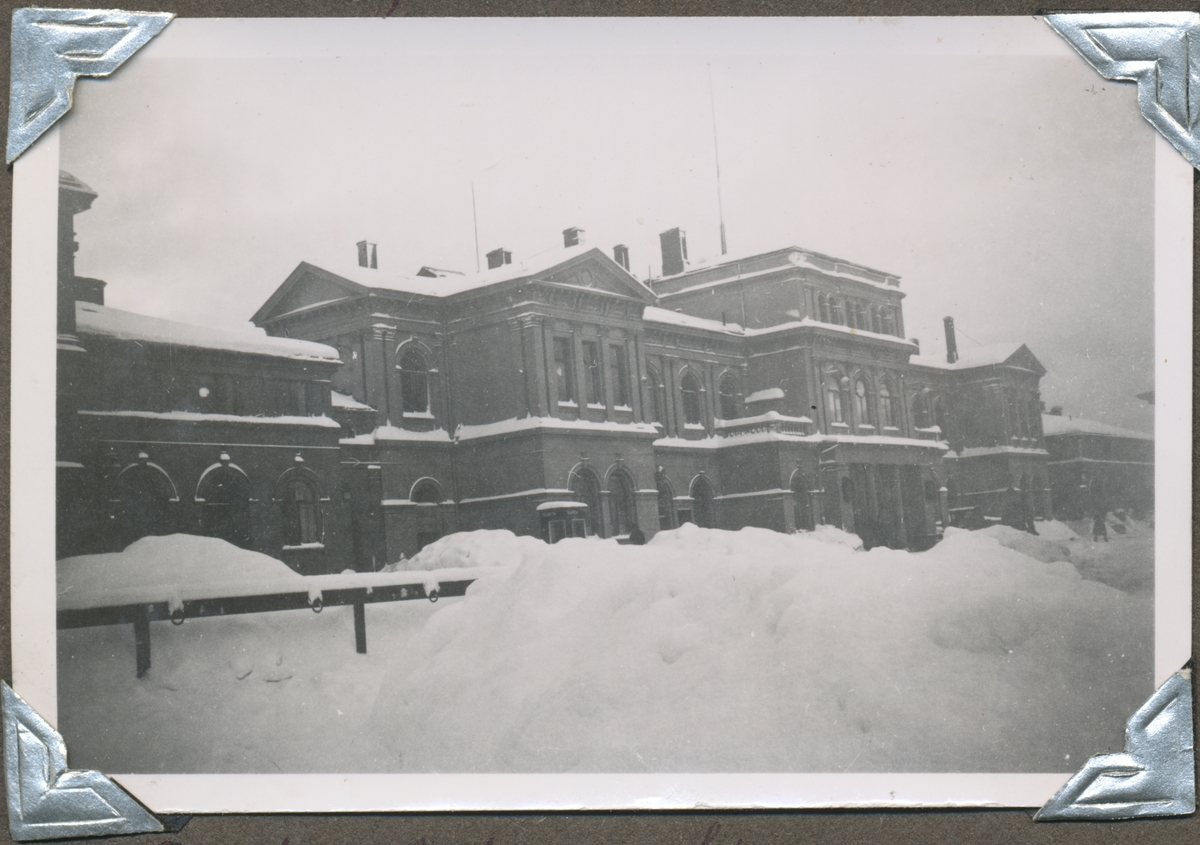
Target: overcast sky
1014,192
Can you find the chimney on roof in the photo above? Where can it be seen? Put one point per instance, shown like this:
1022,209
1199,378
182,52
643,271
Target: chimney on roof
1056,411
674,251
951,341
367,255
498,258
621,255
572,236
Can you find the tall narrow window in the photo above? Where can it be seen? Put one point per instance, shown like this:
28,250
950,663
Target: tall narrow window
594,383
624,511
619,375
224,495
863,406
727,391
300,514
825,315
655,386
876,320
414,382
666,504
839,311
702,502
833,400
887,403
889,320
564,369
690,388
922,418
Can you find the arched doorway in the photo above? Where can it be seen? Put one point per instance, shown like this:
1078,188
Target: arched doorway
586,488
224,498
144,497
666,503
622,507
702,502
802,502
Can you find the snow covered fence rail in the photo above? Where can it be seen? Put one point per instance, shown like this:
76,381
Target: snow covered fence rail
180,578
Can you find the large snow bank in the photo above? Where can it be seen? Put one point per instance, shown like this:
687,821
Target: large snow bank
1124,561
758,651
701,651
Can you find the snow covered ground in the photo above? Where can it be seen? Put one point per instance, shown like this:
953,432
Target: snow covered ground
702,651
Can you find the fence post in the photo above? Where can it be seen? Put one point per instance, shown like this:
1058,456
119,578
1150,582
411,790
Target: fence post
360,627
141,638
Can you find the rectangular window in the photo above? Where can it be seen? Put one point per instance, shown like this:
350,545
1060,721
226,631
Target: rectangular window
594,378
620,375
564,369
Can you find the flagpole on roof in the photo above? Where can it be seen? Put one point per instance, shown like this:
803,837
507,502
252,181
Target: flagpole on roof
716,157
475,220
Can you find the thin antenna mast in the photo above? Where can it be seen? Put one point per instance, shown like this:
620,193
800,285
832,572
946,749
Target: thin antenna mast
475,219
717,158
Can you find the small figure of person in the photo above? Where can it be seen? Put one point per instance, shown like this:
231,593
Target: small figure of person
1099,528
637,537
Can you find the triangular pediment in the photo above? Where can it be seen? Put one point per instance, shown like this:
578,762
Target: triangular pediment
593,270
306,286
1026,360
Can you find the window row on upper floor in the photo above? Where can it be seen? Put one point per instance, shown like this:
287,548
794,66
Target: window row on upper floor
690,400
858,314
589,371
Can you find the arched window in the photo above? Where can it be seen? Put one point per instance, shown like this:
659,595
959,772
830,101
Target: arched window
654,384
426,492
889,320
833,400
144,495
666,503
727,391
702,502
864,405
802,502
224,497
301,513
824,314
876,320
839,311
414,382
888,405
585,487
920,412
623,507
690,388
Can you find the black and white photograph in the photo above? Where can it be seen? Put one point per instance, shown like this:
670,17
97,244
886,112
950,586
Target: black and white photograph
578,398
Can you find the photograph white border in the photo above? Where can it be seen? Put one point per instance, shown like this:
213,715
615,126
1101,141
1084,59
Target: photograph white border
33,588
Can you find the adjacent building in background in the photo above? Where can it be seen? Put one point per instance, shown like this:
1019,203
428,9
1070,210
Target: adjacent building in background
559,394
166,427
1095,467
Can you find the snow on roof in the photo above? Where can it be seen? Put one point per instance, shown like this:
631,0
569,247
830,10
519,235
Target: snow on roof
808,322
764,395
795,257
674,318
102,321
1053,424
974,356
550,506
342,400
192,416
471,432
459,283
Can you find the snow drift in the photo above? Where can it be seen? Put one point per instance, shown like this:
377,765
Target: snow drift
703,651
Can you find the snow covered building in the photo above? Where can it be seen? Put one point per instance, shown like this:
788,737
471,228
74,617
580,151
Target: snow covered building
775,390
167,427
1095,467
